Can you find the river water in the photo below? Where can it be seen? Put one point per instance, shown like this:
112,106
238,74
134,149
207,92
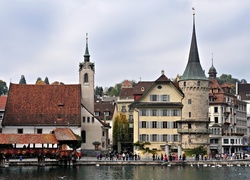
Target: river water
124,172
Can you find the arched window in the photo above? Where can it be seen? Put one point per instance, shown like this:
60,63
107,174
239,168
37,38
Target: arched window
198,83
86,78
184,84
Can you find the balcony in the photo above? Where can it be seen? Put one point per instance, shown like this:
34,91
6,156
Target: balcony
193,131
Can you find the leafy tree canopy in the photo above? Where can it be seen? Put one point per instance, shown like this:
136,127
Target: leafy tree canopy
120,128
3,88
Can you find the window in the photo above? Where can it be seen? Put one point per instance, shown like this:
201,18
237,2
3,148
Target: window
153,112
97,113
130,118
225,141
83,134
164,137
93,119
83,119
175,138
103,133
175,124
153,98
39,131
106,113
19,131
189,114
154,124
215,119
189,101
164,124
175,112
153,137
216,109
88,119
184,84
143,112
165,112
143,137
165,97
123,108
143,124
198,83
86,78
189,126
232,141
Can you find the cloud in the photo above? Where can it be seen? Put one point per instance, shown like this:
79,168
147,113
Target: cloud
127,39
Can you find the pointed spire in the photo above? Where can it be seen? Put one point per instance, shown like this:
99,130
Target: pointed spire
86,55
193,69
212,71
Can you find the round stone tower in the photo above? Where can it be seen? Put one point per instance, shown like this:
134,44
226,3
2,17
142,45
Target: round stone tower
195,86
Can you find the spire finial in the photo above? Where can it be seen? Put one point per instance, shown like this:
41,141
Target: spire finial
212,59
193,10
86,55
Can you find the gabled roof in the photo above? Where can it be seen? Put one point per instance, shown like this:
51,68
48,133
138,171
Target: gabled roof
105,106
30,105
126,93
142,86
65,134
3,100
161,80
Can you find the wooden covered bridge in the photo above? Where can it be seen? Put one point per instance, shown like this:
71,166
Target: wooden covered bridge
40,146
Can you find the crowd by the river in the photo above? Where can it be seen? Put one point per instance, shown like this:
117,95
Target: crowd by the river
126,156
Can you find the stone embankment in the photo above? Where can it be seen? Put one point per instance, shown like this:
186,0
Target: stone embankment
90,161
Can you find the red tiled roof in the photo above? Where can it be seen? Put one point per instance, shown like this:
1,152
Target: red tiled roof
43,105
3,100
126,93
65,134
28,139
142,86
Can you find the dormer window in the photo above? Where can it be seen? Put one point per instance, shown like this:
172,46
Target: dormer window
142,88
106,113
97,113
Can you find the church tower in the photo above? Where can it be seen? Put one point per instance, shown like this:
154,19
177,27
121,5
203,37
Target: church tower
86,78
195,86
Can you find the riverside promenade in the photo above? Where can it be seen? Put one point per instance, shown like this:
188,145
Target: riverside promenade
92,161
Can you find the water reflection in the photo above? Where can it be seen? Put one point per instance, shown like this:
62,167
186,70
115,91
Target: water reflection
125,172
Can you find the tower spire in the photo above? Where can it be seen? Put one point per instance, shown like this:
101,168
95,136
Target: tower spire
86,55
193,69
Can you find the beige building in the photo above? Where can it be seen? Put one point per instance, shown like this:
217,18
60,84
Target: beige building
156,115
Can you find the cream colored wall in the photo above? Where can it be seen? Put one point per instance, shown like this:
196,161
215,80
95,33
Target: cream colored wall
175,96
87,89
93,130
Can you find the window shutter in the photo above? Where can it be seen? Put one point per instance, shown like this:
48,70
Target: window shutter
168,124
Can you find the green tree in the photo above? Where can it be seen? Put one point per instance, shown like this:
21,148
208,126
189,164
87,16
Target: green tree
46,80
99,91
22,80
120,130
227,78
38,80
3,88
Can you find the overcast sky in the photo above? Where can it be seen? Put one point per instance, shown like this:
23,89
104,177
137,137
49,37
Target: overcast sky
128,39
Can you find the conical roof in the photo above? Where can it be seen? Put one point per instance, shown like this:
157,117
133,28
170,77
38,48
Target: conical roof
86,55
193,69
